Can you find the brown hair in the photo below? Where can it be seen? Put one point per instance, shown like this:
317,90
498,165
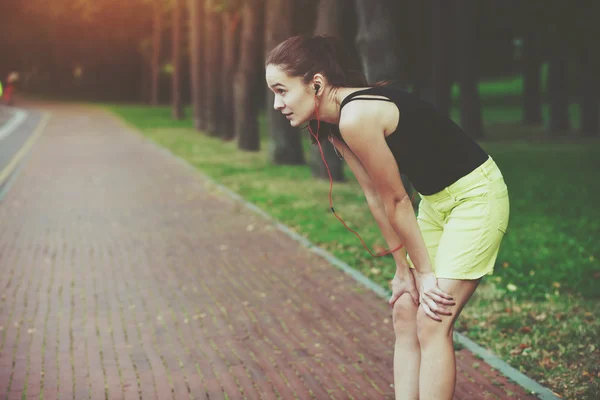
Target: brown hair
304,56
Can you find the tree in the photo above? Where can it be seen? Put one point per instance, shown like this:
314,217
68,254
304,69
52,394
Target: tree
177,107
587,63
330,21
467,69
417,32
558,87
230,17
588,95
380,60
60,18
70,47
196,11
212,68
531,61
375,40
157,17
286,145
442,41
145,51
246,108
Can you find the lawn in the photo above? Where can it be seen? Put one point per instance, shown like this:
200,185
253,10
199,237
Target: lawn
539,311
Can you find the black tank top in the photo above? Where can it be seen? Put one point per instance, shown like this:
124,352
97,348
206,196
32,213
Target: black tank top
429,148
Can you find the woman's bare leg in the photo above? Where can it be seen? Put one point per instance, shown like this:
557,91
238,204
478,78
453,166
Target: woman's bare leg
437,378
407,354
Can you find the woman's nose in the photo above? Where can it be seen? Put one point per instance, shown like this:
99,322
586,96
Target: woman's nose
278,104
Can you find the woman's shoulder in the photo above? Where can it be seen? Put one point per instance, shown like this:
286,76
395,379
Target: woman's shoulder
389,91
374,110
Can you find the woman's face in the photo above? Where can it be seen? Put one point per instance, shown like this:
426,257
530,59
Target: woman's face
293,98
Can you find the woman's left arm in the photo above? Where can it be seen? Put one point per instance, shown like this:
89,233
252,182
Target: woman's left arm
364,136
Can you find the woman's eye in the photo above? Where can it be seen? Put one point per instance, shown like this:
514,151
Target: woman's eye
281,91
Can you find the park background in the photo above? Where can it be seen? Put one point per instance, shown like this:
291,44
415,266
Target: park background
519,76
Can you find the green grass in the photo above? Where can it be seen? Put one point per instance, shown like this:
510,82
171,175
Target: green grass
510,86
540,309
501,99
554,226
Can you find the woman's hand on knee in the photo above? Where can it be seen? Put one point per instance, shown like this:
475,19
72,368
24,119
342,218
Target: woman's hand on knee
432,297
404,284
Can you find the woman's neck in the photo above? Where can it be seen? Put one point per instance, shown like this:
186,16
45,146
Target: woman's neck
330,102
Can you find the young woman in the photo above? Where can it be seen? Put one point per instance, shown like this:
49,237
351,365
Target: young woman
381,130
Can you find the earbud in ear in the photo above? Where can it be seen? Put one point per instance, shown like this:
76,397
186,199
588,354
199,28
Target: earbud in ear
317,87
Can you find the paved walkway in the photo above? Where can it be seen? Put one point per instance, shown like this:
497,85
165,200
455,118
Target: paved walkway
6,114
123,274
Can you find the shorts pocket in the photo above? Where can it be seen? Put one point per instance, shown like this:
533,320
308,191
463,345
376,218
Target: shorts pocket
479,192
503,207
500,189
500,203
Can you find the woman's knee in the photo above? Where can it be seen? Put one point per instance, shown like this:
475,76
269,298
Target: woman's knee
429,330
404,315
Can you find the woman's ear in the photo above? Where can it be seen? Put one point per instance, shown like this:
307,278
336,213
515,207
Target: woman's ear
318,82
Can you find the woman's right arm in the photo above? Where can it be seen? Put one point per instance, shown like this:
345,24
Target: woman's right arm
375,205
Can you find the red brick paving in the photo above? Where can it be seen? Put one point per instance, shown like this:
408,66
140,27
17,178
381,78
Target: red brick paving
124,274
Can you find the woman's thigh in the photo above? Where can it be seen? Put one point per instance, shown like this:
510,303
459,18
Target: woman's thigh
461,291
431,225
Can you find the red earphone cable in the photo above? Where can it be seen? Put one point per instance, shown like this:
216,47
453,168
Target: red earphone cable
331,189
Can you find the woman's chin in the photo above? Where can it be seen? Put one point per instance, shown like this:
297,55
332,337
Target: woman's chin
296,122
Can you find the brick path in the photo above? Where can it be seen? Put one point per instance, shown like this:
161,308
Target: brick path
5,114
124,275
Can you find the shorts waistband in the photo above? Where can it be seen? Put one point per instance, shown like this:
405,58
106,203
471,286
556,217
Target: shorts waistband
488,170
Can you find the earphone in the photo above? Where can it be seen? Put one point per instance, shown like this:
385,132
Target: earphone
317,87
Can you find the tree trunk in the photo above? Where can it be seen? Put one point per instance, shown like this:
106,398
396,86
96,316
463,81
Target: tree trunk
558,89
177,107
204,44
442,53
57,56
588,96
418,23
330,14
304,16
467,68
156,47
532,91
286,143
330,21
246,108
375,41
144,80
212,69
196,11
230,27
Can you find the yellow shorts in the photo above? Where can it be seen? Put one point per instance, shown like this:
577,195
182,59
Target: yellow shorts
463,225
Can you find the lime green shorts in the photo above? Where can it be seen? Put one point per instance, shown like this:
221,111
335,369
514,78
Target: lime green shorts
463,225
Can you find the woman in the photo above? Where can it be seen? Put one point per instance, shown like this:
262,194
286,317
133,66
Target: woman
381,130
